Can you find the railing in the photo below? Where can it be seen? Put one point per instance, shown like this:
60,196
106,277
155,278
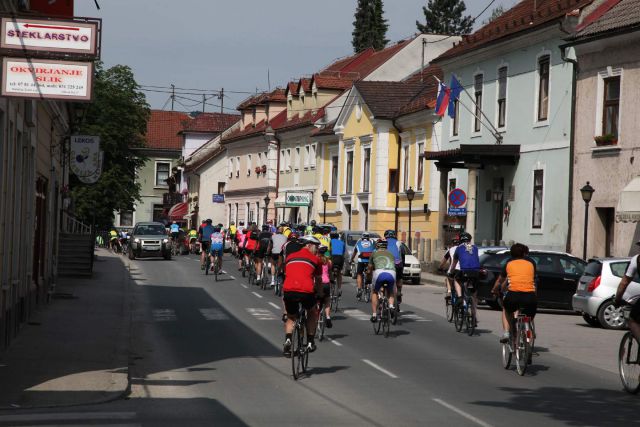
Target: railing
71,225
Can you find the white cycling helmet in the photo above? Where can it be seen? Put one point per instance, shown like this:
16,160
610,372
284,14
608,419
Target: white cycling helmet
309,240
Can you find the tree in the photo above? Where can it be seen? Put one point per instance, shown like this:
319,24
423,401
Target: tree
370,27
445,17
119,115
495,13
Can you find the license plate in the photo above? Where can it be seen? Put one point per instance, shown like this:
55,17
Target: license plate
151,248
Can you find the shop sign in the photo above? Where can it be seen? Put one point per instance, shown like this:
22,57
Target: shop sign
62,80
218,198
69,37
297,198
457,211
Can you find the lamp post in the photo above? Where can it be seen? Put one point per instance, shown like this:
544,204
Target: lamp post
410,195
497,197
586,192
266,207
325,197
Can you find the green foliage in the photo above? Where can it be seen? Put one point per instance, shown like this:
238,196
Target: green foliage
119,115
495,13
445,17
370,27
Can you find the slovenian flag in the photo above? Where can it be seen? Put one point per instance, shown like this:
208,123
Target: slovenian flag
442,101
454,93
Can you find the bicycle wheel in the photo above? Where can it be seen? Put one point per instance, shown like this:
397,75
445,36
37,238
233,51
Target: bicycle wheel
470,318
207,265
506,355
448,310
216,268
296,351
244,269
386,320
521,350
629,363
458,319
367,293
378,325
321,325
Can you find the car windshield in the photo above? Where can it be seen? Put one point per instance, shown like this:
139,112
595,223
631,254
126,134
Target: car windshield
150,230
352,239
594,268
493,260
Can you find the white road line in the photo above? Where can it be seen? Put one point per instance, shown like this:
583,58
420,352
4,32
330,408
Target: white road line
164,315
334,342
261,313
68,416
462,413
274,306
244,286
232,278
257,294
213,314
379,368
358,314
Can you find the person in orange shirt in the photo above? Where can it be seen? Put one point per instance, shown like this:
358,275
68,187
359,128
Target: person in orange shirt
517,283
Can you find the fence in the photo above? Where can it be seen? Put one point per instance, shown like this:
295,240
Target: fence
70,225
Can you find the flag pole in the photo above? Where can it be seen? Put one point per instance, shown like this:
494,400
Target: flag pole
493,130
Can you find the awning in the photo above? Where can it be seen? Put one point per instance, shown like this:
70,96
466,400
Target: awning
476,154
628,209
178,211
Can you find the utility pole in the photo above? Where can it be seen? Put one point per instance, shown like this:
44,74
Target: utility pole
221,98
173,95
203,102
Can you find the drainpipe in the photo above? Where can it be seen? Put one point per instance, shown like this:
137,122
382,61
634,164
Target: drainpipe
272,135
572,142
396,213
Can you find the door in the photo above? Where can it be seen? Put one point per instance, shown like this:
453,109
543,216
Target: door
548,278
572,270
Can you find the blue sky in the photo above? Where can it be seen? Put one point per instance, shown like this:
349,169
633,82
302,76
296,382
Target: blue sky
210,44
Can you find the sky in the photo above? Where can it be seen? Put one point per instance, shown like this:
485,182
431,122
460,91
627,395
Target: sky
242,46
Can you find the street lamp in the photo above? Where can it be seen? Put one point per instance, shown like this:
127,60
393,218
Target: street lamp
325,197
586,192
497,197
410,195
266,207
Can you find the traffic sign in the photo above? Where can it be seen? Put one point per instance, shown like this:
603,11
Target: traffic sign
457,211
457,197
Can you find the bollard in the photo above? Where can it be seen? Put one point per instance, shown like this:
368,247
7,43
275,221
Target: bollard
427,252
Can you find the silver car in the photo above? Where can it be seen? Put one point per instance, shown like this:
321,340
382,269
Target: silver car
350,239
596,289
149,239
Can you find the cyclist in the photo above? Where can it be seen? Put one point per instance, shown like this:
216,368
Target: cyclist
113,239
263,248
364,249
278,240
286,230
175,230
250,243
394,246
338,249
467,261
324,285
193,239
448,258
383,265
309,229
205,241
242,235
517,282
217,247
325,239
302,268
634,316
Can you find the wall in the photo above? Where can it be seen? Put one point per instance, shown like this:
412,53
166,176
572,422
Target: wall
211,174
150,193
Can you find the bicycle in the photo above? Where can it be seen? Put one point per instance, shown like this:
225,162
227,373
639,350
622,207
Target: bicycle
322,317
207,264
299,350
175,249
216,266
277,289
264,279
629,357
463,314
252,271
365,295
521,344
383,312
335,292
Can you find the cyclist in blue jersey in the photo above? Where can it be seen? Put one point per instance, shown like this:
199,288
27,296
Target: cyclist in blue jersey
205,240
393,246
338,249
467,263
175,230
217,246
363,249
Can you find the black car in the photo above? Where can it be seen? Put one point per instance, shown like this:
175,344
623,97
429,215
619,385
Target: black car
557,275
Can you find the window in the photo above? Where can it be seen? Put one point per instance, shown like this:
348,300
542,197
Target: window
312,158
405,168
126,218
248,164
366,170
334,175
536,213
420,175
502,96
456,119
221,187
282,161
393,180
230,166
543,88
288,160
296,160
251,214
158,211
162,173
307,155
611,106
237,167
259,159
349,172
477,86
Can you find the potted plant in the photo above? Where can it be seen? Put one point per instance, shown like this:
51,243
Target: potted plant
264,168
258,170
607,139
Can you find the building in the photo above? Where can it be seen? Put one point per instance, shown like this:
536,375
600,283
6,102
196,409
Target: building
508,147
607,49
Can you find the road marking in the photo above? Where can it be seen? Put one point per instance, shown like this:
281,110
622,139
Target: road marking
334,342
274,306
414,317
68,416
462,413
379,368
257,294
102,425
357,314
164,315
213,314
232,278
244,286
223,272
261,313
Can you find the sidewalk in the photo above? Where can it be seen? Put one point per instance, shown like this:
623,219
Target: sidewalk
75,350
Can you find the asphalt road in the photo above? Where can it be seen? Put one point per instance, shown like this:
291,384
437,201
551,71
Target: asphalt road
209,353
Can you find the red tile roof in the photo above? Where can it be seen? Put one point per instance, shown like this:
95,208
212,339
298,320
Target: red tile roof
524,16
426,98
258,129
305,84
343,63
296,122
610,17
332,83
163,128
276,95
210,122
386,99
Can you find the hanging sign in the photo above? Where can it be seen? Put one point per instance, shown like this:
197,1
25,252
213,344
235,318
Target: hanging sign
70,37
62,80
297,198
85,157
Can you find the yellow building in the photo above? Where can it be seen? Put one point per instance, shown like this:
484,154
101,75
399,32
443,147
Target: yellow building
382,131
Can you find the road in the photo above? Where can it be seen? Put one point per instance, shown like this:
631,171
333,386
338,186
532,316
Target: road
209,353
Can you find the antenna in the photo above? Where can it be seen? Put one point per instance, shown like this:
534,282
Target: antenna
268,79
173,95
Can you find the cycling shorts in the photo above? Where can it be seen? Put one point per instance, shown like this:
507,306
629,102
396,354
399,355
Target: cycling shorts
471,276
174,236
206,244
218,251
275,257
525,302
324,292
362,266
260,253
337,261
635,311
382,277
291,300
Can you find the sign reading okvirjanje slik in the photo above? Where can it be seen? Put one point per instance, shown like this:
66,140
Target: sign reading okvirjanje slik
68,37
47,79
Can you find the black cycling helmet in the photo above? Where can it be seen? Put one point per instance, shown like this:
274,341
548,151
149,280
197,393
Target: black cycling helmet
326,229
465,237
208,221
293,235
381,244
366,235
265,227
334,235
316,230
390,234
313,223
216,229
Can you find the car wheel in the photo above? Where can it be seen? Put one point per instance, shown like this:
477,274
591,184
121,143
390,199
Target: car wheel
611,317
591,320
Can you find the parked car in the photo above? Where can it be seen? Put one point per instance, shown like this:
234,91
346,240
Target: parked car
149,239
594,296
557,277
412,270
483,249
350,238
